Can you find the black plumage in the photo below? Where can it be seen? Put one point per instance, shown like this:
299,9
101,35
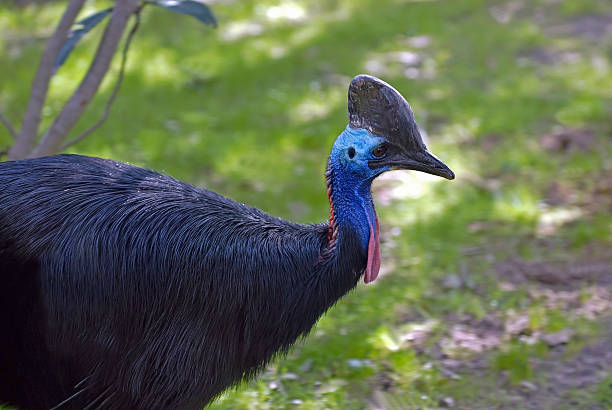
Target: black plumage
129,325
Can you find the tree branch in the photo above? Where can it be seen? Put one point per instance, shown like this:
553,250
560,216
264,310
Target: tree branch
31,119
8,125
113,95
72,111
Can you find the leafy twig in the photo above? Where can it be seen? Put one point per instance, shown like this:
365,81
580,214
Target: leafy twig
31,120
115,91
84,93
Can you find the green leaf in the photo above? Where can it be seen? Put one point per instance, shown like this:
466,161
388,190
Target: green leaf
192,8
84,26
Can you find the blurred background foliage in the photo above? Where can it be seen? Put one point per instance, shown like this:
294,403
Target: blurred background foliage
496,288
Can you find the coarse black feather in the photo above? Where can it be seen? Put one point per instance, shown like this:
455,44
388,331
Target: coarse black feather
125,288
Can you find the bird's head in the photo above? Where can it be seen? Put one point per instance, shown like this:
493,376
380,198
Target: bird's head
382,134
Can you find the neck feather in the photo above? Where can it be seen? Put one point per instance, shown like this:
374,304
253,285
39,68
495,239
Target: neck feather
333,226
350,202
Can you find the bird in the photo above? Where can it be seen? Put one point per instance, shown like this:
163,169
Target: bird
125,288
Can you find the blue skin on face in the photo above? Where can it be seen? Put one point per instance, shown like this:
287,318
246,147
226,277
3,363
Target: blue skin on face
352,199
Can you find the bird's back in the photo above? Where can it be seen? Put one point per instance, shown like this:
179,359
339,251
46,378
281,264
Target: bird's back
111,262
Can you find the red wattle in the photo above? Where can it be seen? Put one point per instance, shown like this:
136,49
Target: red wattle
373,265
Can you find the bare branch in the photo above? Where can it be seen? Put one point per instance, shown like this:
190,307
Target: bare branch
72,111
113,95
31,119
8,125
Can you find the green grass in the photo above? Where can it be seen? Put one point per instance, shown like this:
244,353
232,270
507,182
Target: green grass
254,118
604,392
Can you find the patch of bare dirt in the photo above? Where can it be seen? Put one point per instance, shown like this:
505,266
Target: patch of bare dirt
593,27
554,275
548,56
560,193
581,289
601,195
589,195
490,142
553,23
474,336
589,29
568,140
559,375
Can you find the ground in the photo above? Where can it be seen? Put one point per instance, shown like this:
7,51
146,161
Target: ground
496,288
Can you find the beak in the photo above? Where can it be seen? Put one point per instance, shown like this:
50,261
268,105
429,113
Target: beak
423,161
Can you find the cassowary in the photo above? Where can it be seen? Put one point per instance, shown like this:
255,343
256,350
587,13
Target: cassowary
123,288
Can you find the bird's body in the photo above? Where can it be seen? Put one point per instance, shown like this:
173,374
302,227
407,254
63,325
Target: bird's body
127,231
125,288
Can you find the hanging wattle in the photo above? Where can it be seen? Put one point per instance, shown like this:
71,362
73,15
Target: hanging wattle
373,266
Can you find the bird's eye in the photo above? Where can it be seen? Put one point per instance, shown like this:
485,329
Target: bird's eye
379,152
351,152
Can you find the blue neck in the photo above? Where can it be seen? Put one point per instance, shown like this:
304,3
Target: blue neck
350,184
353,205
